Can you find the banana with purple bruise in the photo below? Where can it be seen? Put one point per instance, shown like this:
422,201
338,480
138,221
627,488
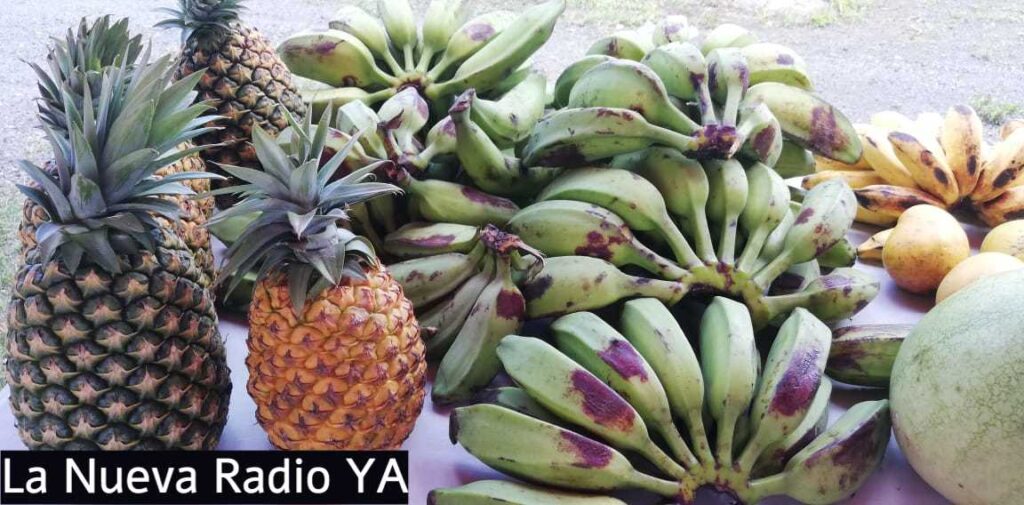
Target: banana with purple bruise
419,239
863,355
790,451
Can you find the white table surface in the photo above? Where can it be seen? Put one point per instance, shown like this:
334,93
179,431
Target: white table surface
435,462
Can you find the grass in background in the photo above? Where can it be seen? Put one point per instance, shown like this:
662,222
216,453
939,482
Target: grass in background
841,10
10,216
995,112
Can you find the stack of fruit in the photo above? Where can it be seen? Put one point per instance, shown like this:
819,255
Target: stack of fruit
934,160
598,391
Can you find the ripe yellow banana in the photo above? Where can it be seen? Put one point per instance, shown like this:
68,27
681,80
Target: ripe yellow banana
1006,207
1003,170
856,179
927,166
879,153
893,200
962,140
823,164
871,249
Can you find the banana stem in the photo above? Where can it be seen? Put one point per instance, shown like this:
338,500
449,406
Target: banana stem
680,121
732,104
651,261
699,437
679,448
680,247
773,269
442,65
653,484
726,434
392,63
753,248
727,244
782,304
704,103
750,454
669,292
664,462
425,57
380,95
410,58
701,233
767,486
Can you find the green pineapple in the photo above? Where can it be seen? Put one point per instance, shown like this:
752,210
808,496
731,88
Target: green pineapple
113,339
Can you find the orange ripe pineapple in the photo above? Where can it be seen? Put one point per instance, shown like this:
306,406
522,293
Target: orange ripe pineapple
335,356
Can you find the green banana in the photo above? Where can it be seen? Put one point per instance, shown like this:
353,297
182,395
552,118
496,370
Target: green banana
796,278
404,115
809,121
357,118
727,197
443,321
567,79
625,45
472,361
424,239
510,119
727,35
673,28
428,279
684,72
596,345
838,295
836,463
320,99
685,187
794,161
400,23
514,79
525,447
333,57
504,53
776,239
442,19
495,492
470,38
448,202
730,362
569,227
517,399
576,395
766,207
825,216
814,423
728,79
627,84
369,30
776,63
574,283
652,329
628,195
863,355
789,384
843,254
760,134
576,137
440,140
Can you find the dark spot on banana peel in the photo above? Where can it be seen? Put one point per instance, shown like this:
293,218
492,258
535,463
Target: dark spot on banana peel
478,196
784,59
846,356
600,403
715,142
613,47
461,105
589,454
432,241
510,305
855,454
713,75
601,277
394,123
726,272
1005,177
799,384
763,142
804,215
743,73
565,155
537,287
787,282
606,111
479,31
349,81
972,164
826,136
624,359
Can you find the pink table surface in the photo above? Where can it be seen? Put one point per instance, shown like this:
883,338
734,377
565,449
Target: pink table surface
434,462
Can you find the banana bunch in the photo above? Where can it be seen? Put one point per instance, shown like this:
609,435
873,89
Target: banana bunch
462,281
936,160
595,400
370,59
690,227
730,97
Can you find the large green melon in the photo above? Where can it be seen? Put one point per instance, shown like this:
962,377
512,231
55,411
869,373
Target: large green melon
957,394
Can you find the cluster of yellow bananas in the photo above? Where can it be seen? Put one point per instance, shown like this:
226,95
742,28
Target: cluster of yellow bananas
935,160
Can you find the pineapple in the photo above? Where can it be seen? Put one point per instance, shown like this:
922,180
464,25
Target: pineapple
245,79
79,58
113,340
335,357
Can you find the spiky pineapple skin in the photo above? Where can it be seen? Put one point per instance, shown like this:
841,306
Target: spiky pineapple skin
190,226
129,361
348,374
248,84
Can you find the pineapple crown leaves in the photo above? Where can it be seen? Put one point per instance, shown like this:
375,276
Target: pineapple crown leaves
102,194
77,59
202,20
300,205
